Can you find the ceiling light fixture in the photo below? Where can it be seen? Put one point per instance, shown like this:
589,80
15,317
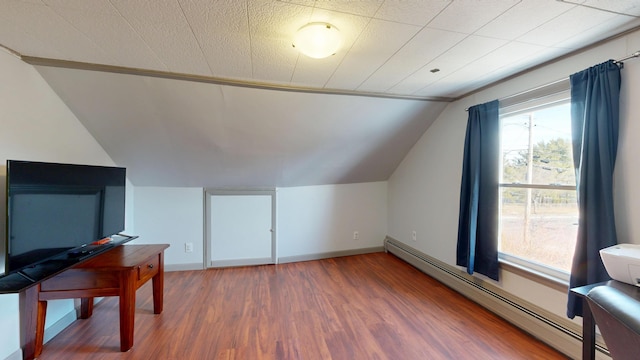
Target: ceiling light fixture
317,40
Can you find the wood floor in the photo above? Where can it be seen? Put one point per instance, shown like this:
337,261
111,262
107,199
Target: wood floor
371,306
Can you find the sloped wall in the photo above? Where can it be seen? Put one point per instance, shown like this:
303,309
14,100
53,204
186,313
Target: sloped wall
35,125
424,190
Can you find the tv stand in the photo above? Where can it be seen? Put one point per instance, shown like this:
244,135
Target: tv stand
116,272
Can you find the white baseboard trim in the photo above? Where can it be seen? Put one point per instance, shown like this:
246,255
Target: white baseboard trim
281,260
183,267
327,255
60,325
16,355
559,333
240,262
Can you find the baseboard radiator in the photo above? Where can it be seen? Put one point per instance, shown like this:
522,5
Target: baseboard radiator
559,333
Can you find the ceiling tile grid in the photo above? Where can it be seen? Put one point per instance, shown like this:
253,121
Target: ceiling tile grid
565,26
467,16
33,28
411,12
629,7
504,58
389,45
463,53
102,24
164,28
379,41
420,50
522,18
221,29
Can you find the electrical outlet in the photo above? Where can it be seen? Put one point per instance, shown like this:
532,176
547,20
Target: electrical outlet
414,236
188,247
356,235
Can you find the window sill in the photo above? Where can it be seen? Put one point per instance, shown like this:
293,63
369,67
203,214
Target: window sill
533,275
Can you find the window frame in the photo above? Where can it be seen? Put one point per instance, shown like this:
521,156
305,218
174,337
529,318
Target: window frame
554,94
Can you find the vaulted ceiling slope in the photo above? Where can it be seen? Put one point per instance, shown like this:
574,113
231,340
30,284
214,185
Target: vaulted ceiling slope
156,82
181,133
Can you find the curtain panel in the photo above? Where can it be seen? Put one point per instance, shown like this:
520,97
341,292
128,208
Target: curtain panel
594,125
477,247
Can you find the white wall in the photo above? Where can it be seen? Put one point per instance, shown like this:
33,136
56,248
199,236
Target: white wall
35,125
171,216
424,191
311,220
322,219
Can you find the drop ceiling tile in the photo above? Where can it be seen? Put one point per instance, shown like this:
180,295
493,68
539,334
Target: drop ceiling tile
628,7
465,52
377,43
31,39
313,73
415,12
423,48
250,40
522,18
503,57
467,16
165,30
492,67
98,6
100,22
363,8
33,28
601,31
448,88
571,23
222,31
272,26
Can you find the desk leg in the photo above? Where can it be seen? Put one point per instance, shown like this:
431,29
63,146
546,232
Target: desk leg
588,332
32,316
158,287
86,308
127,309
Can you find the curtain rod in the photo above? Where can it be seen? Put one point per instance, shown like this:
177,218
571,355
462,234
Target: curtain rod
619,62
634,55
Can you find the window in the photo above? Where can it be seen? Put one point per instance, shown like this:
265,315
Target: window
538,203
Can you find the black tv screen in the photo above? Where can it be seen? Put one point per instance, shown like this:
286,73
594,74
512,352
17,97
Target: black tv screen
54,208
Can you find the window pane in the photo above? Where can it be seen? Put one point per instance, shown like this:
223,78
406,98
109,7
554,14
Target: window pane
539,225
536,147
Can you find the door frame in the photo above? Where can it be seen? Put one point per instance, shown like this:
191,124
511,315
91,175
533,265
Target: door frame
208,193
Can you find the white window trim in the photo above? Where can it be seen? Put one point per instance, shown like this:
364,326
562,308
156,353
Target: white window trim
535,268
536,99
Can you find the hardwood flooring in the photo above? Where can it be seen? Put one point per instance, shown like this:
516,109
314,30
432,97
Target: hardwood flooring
371,306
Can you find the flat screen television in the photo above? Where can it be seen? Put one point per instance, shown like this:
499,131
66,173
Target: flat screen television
57,213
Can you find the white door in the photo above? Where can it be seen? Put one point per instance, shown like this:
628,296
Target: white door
240,228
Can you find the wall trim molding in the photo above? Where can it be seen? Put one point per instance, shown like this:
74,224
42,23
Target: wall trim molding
16,355
78,65
559,333
60,325
183,267
328,255
240,262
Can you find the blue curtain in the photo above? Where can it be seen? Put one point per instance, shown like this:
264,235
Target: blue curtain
594,125
477,247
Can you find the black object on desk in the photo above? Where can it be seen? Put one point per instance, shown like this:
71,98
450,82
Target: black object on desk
588,323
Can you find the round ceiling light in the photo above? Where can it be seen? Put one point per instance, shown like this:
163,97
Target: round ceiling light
317,40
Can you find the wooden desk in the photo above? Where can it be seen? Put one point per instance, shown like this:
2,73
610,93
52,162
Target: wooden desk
117,272
588,323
